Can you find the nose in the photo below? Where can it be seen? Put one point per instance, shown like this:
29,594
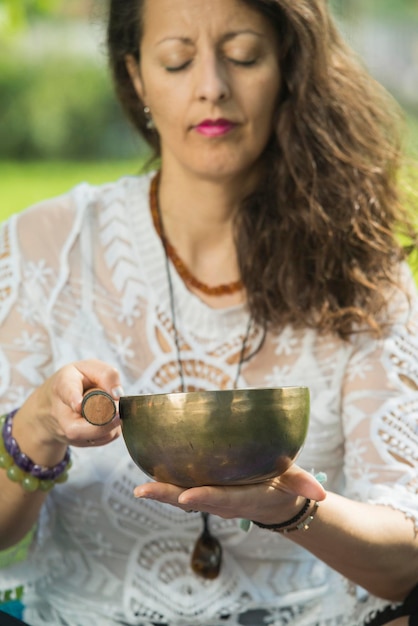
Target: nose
212,81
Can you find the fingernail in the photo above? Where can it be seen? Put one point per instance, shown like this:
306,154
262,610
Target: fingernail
75,404
191,504
245,525
138,493
117,392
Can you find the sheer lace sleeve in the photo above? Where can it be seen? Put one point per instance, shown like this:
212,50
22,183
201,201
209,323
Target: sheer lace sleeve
34,250
380,408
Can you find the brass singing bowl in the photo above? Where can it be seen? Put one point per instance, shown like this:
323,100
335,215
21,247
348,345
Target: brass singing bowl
229,437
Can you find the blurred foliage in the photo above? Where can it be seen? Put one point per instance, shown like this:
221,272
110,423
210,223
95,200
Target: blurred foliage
411,135
16,14
61,108
62,105
56,101
395,9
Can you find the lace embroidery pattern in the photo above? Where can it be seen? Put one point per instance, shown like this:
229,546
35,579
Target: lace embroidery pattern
7,268
8,285
111,552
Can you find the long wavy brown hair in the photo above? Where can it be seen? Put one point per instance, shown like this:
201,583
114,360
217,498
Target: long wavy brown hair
319,241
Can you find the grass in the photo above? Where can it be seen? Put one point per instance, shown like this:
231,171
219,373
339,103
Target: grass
23,184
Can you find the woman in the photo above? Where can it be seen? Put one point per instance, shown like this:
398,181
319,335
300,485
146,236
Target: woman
263,253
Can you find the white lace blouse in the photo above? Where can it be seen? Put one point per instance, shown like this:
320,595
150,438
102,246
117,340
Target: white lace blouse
83,276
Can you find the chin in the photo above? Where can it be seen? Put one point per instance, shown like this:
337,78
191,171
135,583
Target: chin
223,171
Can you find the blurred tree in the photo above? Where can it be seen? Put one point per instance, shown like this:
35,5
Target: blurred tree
351,9
16,14
348,9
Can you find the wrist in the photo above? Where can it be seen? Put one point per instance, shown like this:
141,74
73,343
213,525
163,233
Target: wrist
20,468
289,506
301,520
34,438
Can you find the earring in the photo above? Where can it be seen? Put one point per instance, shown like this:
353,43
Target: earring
148,115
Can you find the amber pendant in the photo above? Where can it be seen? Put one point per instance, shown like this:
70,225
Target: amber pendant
207,554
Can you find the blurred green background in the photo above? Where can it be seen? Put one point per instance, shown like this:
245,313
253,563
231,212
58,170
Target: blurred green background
60,123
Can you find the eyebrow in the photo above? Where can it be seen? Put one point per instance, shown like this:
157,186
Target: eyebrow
224,38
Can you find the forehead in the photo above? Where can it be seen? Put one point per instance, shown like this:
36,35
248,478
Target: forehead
192,17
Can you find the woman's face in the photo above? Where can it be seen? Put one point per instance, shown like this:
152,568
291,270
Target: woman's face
209,72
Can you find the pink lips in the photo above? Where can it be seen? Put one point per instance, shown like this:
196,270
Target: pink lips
214,128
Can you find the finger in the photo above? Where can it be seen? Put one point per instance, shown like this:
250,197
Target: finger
295,481
249,501
163,492
261,501
71,381
80,433
174,495
96,374
98,442
299,481
71,428
225,501
66,390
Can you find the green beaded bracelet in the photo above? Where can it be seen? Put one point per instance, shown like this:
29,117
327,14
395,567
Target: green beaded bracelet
28,481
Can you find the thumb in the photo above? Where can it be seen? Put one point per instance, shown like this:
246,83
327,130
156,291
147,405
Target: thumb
298,480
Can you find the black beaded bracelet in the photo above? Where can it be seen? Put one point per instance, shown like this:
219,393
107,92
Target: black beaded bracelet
289,522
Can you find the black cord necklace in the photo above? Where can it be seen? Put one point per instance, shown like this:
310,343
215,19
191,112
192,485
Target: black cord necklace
242,357
206,558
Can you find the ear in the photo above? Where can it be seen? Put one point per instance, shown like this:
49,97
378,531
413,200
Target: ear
135,75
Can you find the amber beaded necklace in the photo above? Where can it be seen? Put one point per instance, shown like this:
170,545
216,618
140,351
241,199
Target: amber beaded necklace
183,271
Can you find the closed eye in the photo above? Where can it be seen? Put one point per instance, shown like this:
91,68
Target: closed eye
177,68
183,66
240,63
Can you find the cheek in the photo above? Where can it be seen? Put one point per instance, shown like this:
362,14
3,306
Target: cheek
166,105
264,111
266,96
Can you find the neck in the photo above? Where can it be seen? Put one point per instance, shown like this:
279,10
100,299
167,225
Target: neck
203,201
192,281
200,206
197,217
